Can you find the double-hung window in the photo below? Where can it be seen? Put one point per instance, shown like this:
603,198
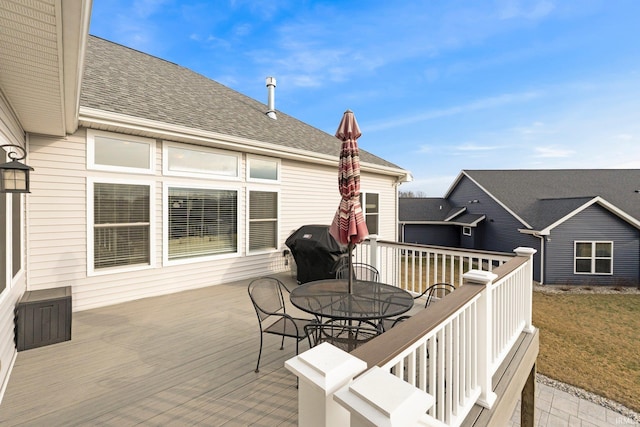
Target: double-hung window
370,209
593,257
263,220
121,222
201,222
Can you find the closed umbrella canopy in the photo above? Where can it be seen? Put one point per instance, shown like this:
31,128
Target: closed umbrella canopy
349,226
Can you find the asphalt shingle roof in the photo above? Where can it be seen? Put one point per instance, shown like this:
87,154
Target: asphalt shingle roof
125,81
541,197
421,209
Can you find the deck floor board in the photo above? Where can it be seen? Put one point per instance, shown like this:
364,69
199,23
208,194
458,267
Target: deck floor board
180,359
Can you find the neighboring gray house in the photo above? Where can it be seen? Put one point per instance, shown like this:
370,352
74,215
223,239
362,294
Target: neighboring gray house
149,178
584,223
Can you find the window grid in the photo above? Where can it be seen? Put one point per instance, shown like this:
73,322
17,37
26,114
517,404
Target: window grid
593,257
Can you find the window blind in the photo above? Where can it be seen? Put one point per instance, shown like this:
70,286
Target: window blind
202,222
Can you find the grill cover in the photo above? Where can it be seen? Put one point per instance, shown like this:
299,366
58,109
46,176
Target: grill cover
316,252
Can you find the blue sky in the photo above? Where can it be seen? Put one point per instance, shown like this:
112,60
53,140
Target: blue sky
436,86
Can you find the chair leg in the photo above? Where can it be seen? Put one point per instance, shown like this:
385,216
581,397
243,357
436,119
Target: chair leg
282,343
259,354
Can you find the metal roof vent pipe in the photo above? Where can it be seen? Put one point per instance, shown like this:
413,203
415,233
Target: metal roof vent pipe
271,89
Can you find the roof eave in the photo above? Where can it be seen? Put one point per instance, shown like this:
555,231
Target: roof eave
602,202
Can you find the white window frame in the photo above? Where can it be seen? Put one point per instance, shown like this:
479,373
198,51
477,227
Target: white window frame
92,165
248,220
167,145
91,181
466,230
278,163
363,205
10,278
165,220
593,257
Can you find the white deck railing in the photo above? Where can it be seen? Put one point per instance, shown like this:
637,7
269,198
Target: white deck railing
448,364
414,267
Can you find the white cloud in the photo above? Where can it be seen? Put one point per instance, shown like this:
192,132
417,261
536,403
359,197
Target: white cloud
624,137
477,105
475,147
552,152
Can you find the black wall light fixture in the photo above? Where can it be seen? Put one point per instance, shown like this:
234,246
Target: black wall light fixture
14,176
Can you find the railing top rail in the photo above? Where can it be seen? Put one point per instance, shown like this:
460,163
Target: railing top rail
505,269
445,248
385,347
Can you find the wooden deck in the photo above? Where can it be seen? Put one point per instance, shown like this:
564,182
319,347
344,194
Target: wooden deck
180,359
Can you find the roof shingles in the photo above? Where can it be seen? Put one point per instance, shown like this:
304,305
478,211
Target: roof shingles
125,81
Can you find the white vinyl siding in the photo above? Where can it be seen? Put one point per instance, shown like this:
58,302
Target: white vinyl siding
58,229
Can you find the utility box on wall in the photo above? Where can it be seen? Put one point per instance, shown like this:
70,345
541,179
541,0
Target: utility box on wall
43,317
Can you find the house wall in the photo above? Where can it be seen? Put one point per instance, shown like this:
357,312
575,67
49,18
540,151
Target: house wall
14,285
499,231
593,224
58,216
438,235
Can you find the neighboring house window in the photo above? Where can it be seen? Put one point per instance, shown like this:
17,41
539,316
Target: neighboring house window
263,169
201,222
263,220
119,153
466,231
200,162
594,257
121,224
371,210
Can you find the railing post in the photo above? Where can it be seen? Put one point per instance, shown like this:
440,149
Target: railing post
485,335
373,251
379,398
528,252
321,371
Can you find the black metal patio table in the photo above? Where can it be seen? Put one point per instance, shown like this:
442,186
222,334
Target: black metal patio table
368,301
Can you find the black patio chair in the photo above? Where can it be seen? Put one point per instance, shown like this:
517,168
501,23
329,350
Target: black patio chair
342,335
268,301
361,271
431,294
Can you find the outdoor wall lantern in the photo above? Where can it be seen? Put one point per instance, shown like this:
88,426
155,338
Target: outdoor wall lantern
14,176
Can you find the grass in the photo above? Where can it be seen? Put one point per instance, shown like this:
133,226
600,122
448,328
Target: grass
591,341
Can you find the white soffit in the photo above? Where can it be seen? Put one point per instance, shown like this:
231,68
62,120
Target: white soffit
32,60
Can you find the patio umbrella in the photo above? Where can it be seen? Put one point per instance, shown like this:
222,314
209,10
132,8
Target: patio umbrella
348,226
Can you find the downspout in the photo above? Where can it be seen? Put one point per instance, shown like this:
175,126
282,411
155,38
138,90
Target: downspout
542,241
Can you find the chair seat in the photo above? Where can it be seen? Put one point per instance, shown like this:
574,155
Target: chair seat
285,326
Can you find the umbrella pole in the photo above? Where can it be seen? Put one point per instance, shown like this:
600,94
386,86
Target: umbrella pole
350,250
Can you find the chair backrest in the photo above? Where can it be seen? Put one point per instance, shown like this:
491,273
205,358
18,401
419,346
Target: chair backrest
437,291
266,296
361,271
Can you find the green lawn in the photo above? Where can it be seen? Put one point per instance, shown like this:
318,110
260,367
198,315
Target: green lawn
591,341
